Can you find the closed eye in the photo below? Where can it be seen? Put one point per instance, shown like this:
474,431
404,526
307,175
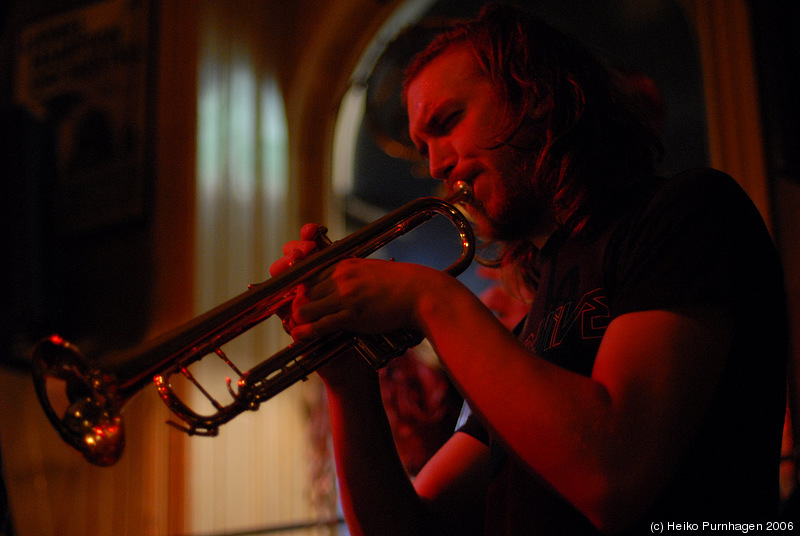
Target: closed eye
449,122
439,127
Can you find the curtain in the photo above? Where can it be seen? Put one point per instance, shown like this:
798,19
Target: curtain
256,473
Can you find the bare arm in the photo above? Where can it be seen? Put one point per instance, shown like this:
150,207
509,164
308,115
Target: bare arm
377,496
606,443
454,483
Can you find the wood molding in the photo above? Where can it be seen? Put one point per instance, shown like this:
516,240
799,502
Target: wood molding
732,102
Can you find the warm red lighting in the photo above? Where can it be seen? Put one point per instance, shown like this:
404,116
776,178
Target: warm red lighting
106,431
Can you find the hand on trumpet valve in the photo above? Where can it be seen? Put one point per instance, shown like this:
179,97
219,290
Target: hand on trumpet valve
312,238
358,295
366,296
297,250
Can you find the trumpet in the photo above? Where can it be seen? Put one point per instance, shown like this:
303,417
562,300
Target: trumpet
83,398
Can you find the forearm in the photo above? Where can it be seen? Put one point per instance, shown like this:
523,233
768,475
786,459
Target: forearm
607,442
376,494
553,421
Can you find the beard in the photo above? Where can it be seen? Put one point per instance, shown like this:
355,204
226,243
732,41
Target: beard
516,209
516,218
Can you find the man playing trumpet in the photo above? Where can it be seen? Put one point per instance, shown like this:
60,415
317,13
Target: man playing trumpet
647,382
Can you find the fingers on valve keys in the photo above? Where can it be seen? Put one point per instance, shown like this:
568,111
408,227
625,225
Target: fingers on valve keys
295,250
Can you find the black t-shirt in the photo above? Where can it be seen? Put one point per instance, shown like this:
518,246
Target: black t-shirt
689,241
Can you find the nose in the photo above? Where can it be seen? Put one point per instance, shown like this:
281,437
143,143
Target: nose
442,159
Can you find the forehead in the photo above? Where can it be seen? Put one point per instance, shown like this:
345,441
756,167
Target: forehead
455,73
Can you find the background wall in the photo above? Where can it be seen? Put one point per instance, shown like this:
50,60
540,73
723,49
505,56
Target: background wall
145,275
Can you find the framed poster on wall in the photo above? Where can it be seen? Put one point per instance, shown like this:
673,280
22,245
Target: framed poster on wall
78,177
84,74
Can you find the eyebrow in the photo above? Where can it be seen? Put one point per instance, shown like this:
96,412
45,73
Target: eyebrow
429,119
425,128
426,119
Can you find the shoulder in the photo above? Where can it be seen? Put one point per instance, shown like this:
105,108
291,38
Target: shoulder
700,186
695,237
712,193
703,176
697,200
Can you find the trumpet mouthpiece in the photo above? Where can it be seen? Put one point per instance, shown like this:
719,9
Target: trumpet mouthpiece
462,193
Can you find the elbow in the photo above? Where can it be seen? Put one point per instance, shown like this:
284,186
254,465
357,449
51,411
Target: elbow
614,505
609,522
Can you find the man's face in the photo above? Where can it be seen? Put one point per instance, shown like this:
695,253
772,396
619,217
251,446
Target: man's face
456,121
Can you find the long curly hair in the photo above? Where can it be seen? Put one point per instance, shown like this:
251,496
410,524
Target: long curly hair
592,144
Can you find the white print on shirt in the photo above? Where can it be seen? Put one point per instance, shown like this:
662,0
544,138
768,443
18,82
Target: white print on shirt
590,315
